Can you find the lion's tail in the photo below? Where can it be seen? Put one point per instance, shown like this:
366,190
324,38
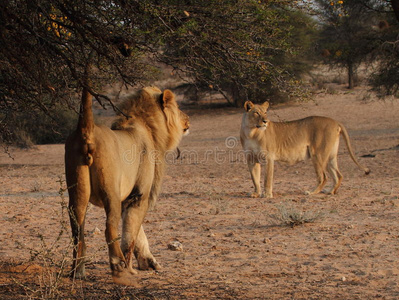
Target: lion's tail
345,134
86,126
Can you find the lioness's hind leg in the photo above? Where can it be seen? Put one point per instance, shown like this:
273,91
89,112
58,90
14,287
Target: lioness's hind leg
321,175
269,178
142,252
335,175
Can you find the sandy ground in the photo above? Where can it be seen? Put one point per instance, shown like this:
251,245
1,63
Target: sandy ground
233,247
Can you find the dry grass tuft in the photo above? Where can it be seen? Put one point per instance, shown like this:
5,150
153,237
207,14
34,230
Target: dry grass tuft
289,215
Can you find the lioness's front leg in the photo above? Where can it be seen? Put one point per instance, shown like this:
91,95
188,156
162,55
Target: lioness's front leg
269,178
254,170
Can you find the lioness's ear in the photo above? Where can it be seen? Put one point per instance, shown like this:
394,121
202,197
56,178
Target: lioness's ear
266,105
168,98
248,105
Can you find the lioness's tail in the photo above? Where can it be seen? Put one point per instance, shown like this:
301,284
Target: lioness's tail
348,145
86,126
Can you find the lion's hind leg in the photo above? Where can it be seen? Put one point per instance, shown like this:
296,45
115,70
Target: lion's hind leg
121,271
145,259
134,210
78,183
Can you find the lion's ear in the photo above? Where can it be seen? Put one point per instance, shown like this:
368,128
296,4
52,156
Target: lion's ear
168,98
248,105
266,104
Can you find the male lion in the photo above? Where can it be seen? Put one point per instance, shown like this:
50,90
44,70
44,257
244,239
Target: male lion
121,169
312,137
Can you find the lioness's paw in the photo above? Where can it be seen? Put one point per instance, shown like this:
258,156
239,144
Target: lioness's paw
269,195
255,195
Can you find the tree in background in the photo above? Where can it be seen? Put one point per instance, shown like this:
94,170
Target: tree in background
242,49
385,81
51,50
47,48
348,33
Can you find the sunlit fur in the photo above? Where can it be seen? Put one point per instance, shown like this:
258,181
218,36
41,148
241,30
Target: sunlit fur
159,112
314,137
124,175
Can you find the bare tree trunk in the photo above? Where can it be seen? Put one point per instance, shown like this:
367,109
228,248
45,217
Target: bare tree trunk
395,6
236,96
351,76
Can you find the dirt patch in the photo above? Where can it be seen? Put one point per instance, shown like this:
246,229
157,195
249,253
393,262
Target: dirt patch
232,247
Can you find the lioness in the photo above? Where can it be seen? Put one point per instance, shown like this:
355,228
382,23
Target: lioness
313,137
121,169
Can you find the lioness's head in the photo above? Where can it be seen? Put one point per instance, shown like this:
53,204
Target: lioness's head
185,123
256,114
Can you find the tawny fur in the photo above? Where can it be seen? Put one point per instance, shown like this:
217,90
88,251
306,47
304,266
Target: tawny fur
124,164
314,137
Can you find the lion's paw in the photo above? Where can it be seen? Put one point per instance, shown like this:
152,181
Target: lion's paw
148,263
119,266
255,195
125,277
122,274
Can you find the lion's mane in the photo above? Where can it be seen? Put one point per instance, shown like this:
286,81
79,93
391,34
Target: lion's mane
157,111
